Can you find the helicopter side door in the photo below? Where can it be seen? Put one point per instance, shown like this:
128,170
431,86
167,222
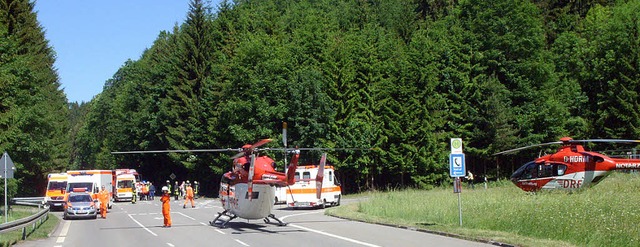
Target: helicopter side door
556,172
535,176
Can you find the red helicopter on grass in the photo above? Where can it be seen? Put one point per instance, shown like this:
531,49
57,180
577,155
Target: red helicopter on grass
570,168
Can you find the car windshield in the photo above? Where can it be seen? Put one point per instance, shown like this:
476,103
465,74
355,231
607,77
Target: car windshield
80,198
57,185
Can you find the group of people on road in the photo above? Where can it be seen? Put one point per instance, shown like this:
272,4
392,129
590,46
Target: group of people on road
146,191
180,190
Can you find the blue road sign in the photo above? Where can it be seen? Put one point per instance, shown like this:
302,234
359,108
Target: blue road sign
456,165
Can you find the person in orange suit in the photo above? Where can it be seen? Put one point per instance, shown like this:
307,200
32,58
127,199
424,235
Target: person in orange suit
189,196
103,196
166,207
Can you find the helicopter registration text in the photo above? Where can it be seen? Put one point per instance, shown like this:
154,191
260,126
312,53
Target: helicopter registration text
575,159
628,166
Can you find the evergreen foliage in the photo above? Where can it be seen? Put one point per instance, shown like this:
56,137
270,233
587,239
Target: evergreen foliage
33,109
399,76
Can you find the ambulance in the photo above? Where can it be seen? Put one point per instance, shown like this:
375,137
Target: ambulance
125,180
92,181
56,189
281,195
302,194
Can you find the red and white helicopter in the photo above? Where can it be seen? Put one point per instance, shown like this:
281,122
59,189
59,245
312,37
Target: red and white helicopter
570,168
248,190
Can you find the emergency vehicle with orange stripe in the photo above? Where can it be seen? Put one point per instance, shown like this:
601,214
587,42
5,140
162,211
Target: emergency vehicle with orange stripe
92,181
56,189
125,182
305,193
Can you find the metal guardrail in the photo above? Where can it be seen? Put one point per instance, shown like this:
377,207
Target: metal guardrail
33,220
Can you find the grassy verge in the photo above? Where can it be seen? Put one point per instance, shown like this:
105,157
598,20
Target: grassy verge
605,215
42,231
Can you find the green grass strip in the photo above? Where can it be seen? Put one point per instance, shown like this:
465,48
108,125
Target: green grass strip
42,230
604,215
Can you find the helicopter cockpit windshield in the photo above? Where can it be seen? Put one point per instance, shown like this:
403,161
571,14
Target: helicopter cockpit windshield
527,171
533,170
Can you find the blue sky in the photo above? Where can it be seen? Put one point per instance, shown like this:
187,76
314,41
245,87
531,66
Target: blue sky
93,39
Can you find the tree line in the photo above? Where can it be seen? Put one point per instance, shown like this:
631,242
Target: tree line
398,76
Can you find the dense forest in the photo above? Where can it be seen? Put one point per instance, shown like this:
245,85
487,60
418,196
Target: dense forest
399,76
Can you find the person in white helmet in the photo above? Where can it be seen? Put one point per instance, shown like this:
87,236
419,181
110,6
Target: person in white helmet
166,206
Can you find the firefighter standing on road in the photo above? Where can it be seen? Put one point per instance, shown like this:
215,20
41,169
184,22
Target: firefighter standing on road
196,186
103,196
166,207
134,195
189,196
176,190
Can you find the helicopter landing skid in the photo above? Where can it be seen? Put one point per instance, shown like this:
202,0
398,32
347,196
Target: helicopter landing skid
280,222
223,223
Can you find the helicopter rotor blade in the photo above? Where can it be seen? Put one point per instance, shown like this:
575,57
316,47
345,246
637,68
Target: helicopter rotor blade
250,178
260,143
569,142
320,176
284,134
607,140
527,147
177,151
291,170
289,150
251,149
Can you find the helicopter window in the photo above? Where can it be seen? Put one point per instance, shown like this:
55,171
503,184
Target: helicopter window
330,176
530,171
545,170
560,169
306,175
297,176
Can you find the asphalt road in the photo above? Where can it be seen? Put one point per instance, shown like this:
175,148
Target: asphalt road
140,224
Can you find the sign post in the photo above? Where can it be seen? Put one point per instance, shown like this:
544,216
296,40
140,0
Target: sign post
457,169
7,172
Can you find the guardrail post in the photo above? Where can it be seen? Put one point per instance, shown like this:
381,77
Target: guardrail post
24,233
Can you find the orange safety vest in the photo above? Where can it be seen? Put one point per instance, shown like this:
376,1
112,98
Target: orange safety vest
189,192
103,196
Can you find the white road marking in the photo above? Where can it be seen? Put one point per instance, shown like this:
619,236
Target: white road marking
143,227
334,236
63,232
325,233
186,216
65,228
170,244
221,232
242,243
60,240
300,214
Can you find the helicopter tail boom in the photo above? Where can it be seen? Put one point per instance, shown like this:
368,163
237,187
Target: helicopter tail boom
627,164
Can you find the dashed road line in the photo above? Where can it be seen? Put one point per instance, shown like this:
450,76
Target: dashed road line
187,216
143,227
335,236
325,233
63,233
242,243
